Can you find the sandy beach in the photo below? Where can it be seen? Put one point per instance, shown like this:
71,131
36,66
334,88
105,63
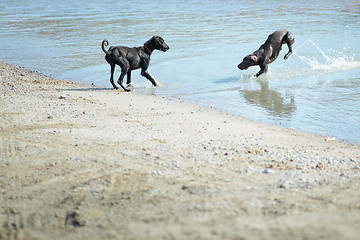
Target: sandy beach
80,162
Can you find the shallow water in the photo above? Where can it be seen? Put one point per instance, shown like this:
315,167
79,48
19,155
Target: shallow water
317,89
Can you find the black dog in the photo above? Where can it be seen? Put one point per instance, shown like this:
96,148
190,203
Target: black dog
132,58
269,51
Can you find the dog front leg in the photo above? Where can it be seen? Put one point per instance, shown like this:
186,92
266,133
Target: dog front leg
263,69
144,73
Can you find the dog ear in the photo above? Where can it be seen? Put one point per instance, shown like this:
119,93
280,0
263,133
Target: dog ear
253,58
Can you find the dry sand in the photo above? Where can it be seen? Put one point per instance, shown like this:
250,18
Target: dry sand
79,162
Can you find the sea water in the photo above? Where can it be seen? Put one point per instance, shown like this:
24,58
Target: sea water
316,90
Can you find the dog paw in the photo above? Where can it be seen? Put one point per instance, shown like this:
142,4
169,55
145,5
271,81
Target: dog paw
287,56
130,87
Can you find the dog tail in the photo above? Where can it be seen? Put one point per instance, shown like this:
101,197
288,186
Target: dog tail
103,45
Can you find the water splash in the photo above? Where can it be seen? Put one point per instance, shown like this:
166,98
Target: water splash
339,62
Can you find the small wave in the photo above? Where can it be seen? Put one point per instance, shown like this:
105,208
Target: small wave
335,61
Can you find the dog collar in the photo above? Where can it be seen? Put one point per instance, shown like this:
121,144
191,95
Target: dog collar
147,49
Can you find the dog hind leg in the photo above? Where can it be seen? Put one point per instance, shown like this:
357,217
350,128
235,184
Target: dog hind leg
128,77
112,76
289,41
125,67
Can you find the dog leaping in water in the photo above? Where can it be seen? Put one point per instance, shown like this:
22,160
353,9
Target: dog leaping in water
269,51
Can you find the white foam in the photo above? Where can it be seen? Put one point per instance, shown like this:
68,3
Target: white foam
338,61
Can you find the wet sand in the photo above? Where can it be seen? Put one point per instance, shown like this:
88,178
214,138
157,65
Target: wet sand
79,162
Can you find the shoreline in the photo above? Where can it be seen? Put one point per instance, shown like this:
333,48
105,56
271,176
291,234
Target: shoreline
80,162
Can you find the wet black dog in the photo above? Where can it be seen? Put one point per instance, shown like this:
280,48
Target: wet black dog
269,51
132,58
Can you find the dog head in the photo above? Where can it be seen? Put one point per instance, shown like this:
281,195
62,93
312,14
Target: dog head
158,43
248,61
